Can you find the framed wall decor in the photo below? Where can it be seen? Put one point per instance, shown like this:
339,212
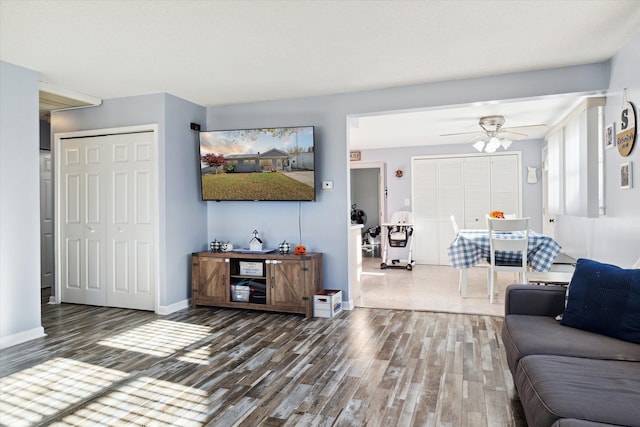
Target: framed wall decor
355,156
610,135
626,175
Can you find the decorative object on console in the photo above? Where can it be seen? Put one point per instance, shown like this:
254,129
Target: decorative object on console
255,244
226,247
215,246
300,250
284,247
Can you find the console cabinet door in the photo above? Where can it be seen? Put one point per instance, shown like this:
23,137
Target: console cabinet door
212,280
286,283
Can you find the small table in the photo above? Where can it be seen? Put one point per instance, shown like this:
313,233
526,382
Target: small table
472,247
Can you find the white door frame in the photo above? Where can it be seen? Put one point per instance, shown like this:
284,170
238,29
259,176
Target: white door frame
381,166
57,151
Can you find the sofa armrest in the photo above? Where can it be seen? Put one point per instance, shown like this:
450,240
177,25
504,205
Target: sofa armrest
534,300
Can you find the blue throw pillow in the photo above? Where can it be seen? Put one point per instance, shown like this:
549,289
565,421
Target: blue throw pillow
604,299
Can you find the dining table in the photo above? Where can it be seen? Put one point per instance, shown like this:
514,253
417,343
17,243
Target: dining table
471,247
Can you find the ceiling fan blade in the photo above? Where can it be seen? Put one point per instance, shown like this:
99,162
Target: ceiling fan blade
529,127
512,135
463,133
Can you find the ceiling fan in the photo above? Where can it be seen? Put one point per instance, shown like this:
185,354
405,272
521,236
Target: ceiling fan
493,135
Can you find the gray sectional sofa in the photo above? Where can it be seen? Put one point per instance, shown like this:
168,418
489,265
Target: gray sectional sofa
565,376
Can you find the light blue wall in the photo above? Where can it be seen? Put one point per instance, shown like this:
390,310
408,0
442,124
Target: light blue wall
399,189
19,206
614,238
186,214
326,222
182,218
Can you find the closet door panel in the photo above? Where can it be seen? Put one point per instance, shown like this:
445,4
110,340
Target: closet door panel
505,184
477,191
425,211
450,202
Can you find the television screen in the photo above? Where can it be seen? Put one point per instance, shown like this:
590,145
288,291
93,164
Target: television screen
258,164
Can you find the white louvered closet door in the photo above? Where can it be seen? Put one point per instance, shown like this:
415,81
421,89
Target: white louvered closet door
107,219
425,210
477,192
468,187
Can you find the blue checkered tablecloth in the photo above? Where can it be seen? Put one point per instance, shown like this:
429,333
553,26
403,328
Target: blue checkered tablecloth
472,246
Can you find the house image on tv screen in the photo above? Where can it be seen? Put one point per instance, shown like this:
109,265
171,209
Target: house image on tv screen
258,164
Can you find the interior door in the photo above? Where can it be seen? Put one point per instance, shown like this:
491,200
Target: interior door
130,212
83,228
425,210
451,201
477,192
107,206
46,220
505,184
548,219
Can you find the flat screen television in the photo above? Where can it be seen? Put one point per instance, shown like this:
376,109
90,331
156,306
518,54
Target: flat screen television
275,164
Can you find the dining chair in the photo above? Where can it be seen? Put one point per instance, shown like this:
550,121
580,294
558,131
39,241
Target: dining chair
454,223
515,244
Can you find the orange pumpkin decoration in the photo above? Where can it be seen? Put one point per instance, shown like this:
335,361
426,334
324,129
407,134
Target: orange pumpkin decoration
496,214
300,250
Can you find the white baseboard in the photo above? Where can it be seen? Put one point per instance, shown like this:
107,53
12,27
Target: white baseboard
348,305
168,309
14,339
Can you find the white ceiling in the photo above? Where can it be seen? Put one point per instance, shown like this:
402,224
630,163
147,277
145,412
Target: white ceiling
224,52
427,127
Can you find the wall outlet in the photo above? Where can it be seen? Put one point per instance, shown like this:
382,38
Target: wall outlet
327,185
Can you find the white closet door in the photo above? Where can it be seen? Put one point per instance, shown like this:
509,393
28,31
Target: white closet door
505,184
107,214
468,187
451,201
425,211
477,191
83,225
130,236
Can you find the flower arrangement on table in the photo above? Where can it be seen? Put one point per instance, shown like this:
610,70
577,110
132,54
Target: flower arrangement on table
496,214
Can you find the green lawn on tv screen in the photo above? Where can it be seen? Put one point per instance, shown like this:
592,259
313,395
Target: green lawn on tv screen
254,186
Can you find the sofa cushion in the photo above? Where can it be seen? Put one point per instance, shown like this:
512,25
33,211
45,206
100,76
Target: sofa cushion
601,391
604,299
524,335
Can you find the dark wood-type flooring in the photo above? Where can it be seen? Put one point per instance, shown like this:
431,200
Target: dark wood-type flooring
224,367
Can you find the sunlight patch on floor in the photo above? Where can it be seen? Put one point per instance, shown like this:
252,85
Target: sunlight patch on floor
144,401
29,396
160,338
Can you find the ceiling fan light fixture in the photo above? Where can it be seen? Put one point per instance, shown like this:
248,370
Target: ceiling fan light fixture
506,143
479,145
492,145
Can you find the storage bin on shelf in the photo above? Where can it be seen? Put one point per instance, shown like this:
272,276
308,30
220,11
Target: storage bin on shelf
327,303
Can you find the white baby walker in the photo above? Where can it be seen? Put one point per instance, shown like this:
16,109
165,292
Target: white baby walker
398,234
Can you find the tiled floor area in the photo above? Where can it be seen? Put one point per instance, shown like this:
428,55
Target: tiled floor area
429,288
